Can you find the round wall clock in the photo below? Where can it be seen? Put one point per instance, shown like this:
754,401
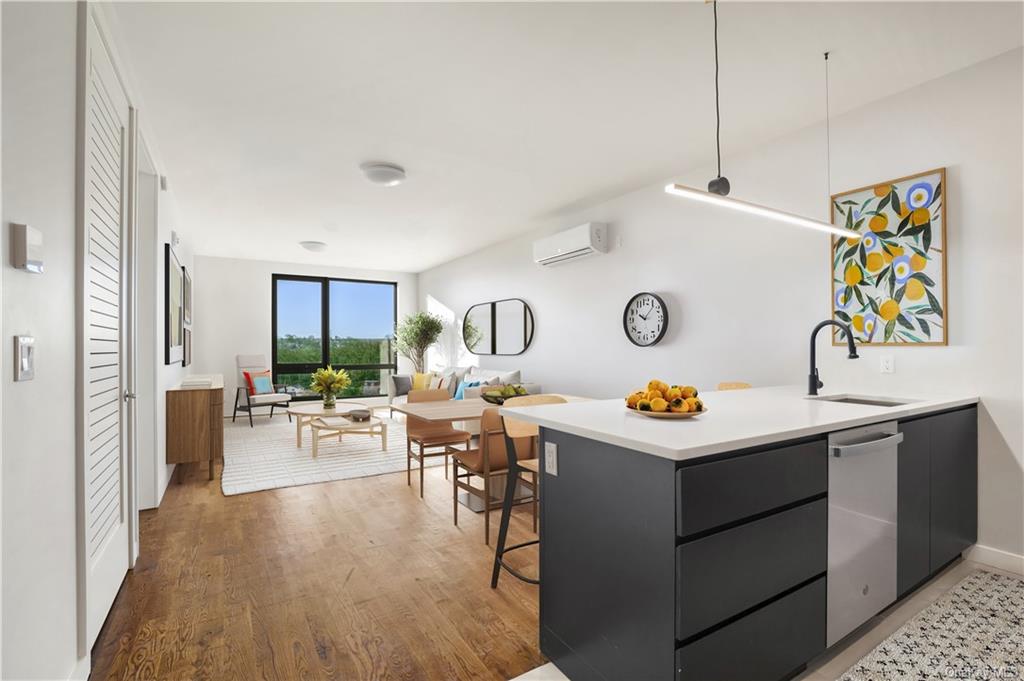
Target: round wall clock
645,319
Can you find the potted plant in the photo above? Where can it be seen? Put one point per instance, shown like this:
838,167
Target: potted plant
415,334
328,383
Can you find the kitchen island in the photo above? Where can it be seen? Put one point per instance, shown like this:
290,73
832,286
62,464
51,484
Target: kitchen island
741,543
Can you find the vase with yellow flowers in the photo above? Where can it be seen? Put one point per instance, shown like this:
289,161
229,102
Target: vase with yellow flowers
328,382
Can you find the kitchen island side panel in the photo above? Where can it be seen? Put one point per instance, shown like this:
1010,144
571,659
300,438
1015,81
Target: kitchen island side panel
607,561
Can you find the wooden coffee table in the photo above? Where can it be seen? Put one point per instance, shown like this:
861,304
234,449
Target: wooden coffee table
305,412
330,426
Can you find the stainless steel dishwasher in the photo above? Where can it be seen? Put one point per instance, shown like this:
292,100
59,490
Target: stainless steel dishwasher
861,525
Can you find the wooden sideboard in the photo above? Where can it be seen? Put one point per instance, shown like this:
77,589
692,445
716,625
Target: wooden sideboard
195,423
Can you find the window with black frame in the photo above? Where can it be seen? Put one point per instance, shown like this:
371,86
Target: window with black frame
347,323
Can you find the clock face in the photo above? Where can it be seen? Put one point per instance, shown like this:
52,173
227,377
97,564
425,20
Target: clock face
645,319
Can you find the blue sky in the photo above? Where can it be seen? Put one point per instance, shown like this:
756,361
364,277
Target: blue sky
358,309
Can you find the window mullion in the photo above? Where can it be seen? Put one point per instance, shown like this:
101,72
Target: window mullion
325,312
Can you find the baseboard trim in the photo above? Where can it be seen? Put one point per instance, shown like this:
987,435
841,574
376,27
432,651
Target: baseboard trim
82,669
997,558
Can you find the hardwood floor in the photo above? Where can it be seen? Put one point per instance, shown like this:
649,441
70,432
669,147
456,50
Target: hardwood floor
356,579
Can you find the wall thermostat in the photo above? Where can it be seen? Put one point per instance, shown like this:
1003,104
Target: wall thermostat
24,358
27,248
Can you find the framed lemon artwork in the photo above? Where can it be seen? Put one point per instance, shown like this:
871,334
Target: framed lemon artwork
890,284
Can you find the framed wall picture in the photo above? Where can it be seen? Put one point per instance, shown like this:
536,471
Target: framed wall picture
187,358
186,295
174,328
890,285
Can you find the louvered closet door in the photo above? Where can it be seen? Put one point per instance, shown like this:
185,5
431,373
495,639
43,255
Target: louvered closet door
103,485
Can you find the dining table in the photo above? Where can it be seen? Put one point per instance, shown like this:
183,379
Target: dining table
468,409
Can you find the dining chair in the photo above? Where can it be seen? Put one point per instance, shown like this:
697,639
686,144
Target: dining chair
488,460
428,436
734,385
518,430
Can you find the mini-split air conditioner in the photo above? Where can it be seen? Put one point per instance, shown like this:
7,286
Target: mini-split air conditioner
590,238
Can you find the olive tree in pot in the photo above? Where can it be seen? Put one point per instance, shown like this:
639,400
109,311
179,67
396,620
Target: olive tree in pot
415,334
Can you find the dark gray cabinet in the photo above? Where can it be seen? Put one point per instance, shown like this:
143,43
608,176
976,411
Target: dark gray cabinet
954,485
938,493
771,643
657,570
720,492
913,513
723,574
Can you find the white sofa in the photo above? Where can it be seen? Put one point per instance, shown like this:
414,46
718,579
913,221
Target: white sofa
503,377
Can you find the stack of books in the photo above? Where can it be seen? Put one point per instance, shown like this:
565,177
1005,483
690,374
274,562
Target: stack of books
196,382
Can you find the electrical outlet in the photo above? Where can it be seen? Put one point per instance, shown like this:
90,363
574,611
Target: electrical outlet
551,458
887,364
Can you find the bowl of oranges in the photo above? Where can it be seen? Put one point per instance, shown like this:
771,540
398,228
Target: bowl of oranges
663,401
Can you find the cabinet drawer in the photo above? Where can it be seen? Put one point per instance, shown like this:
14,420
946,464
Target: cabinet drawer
766,645
720,492
723,574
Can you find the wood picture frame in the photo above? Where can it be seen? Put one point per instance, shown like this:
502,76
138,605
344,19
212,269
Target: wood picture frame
891,285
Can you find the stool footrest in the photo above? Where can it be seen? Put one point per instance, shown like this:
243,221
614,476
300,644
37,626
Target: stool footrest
515,573
519,546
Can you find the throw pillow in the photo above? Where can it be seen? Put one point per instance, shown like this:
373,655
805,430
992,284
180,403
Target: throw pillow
460,376
460,394
250,379
421,381
435,382
263,385
510,378
403,384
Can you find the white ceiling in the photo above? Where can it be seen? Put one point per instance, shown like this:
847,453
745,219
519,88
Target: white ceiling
502,114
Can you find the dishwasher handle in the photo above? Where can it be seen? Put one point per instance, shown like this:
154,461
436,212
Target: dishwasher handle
869,447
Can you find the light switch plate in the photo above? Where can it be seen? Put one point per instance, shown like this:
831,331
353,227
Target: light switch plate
24,358
551,458
887,364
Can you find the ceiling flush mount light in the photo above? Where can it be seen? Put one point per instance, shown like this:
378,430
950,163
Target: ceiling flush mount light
718,188
385,174
315,246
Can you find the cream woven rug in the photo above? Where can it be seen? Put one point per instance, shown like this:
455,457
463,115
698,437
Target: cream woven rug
265,457
975,631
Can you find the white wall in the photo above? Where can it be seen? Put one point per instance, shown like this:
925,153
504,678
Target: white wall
232,310
39,529
744,294
167,375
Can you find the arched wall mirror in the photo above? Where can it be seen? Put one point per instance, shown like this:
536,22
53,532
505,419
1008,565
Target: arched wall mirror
499,327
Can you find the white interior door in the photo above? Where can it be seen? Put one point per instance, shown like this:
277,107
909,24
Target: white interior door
104,530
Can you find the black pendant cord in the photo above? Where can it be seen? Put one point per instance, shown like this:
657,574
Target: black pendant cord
719,185
828,138
718,110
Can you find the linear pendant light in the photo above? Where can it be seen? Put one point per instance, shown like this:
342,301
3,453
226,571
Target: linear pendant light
760,211
718,188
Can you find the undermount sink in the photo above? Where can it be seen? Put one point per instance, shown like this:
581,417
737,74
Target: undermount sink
866,400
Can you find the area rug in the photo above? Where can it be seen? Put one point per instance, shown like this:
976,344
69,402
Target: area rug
974,631
265,457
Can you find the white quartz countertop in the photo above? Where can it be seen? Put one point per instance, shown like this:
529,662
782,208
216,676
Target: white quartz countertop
735,419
